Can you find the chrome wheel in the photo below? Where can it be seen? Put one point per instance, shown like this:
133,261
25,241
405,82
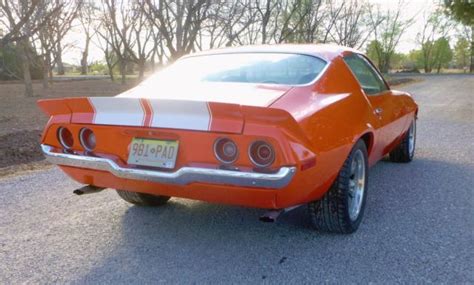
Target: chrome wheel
356,184
411,138
341,209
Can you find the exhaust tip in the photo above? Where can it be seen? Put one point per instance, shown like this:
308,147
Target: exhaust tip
88,189
78,192
270,216
267,219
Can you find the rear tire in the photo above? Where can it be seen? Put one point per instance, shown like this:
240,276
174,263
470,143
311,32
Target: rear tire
342,207
143,199
405,151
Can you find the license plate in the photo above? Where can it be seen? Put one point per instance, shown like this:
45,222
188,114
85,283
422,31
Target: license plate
156,153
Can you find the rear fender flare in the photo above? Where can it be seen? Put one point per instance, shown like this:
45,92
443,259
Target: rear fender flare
368,138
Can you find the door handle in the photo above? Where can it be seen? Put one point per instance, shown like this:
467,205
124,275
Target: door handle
378,111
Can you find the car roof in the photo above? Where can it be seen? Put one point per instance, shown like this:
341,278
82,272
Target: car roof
324,51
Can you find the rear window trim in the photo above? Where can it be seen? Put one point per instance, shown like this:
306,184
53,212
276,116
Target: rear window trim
373,67
323,70
377,71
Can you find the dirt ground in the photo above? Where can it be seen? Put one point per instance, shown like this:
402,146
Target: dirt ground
21,121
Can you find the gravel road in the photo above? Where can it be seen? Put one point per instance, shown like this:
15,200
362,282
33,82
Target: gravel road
418,225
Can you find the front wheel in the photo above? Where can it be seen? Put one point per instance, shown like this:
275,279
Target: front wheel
142,199
342,207
405,151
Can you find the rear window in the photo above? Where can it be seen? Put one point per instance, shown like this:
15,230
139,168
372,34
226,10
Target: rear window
272,68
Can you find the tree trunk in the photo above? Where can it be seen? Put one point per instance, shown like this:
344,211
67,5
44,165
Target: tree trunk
130,67
427,60
141,69
85,54
153,63
427,65
84,67
59,59
111,70
471,68
27,79
123,79
110,66
123,71
45,72
50,74
25,64
385,63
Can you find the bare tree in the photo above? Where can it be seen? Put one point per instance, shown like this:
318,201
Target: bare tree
266,9
103,43
129,34
117,32
178,22
436,25
350,25
143,37
62,25
227,22
46,47
269,21
388,26
306,19
22,20
89,26
310,22
52,33
159,49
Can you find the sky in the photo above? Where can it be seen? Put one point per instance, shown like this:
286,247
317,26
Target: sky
415,9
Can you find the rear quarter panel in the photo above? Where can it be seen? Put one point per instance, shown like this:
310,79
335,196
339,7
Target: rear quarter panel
408,106
404,111
334,114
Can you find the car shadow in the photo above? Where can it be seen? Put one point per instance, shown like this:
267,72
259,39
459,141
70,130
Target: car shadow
191,239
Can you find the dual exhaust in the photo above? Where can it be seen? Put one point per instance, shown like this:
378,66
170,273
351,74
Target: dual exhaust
268,217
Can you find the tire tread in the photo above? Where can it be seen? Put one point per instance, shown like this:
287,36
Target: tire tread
401,153
142,199
330,213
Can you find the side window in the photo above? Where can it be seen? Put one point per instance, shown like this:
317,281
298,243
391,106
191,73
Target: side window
368,78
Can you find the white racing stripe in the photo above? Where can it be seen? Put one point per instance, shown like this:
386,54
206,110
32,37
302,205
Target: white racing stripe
172,114
176,114
117,111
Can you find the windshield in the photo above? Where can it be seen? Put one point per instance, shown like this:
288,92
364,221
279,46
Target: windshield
272,68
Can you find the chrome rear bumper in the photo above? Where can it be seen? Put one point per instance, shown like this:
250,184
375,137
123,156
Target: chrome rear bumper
182,176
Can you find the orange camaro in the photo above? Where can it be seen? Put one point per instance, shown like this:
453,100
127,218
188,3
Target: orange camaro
271,127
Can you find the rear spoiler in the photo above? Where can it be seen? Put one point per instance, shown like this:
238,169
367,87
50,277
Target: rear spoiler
173,114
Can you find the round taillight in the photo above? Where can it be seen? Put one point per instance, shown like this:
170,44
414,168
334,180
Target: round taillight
261,154
87,138
225,150
65,138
